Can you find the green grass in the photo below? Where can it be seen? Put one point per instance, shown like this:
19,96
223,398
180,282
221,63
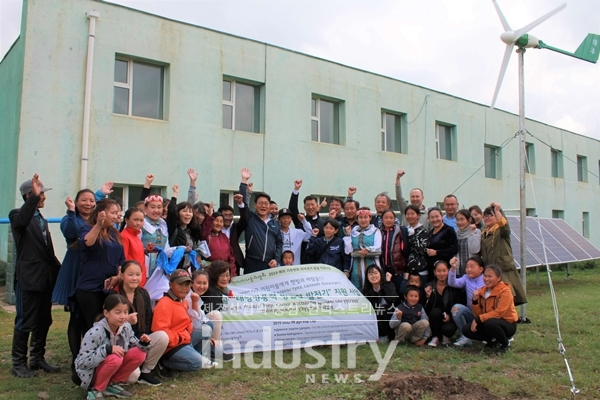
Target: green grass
534,369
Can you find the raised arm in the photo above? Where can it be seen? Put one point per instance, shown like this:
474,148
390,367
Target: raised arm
146,189
293,205
20,219
172,211
402,203
192,189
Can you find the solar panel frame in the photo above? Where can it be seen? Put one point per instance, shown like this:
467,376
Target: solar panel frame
555,251
579,240
563,243
515,232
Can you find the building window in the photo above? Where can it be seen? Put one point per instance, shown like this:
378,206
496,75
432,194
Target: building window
585,224
138,89
241,106
445,141
128,195
530,212
582,169
324,120
492,161
557,163
226,198
392,132
558,214
530,161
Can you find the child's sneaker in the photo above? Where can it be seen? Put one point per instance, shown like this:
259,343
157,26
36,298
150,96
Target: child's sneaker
463,341
164,371
148,378
434,341
446,341
503,349
207,364
116,391
94,395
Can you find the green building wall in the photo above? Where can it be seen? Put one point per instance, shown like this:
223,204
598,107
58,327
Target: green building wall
124,149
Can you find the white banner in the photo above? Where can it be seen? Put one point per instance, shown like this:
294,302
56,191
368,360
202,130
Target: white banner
293,307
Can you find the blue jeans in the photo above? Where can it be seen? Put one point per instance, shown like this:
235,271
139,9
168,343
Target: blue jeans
462,316
189,357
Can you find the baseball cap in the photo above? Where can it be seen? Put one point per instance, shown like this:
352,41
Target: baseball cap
26,187
180,276
285,211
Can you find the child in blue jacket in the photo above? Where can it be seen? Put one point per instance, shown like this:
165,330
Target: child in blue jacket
329,248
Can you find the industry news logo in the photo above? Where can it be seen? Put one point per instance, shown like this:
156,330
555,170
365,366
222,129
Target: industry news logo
275,358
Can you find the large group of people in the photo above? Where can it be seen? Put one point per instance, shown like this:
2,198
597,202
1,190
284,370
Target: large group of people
144,286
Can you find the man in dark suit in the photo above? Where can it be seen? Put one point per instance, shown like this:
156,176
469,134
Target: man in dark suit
36,270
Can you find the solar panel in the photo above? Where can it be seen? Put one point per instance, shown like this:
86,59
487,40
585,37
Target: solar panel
555,251
563,244
582,242
564,238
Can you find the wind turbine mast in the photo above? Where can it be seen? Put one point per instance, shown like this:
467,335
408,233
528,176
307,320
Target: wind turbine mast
587,51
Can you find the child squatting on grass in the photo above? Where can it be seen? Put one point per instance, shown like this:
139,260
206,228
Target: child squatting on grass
110,352
410,320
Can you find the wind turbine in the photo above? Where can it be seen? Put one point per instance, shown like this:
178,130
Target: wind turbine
587,51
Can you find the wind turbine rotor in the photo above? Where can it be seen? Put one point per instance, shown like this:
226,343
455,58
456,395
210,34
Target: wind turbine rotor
519,38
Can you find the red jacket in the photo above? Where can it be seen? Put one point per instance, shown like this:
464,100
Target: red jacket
220,249
134,249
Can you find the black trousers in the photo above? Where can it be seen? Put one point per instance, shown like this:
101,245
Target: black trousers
34,310
493,328
34,314
90,306
438,327
252,265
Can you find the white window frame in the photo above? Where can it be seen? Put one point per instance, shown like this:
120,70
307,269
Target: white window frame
125,198
231,102
129,87
398,120
318,118
583,178
497,161
452,141
559,163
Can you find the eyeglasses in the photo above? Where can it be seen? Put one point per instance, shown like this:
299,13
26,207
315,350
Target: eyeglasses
262,203
225,275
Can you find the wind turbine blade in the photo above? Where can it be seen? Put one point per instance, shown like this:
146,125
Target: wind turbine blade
505,24
505,60
527,28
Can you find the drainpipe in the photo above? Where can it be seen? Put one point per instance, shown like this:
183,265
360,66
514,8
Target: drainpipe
92,16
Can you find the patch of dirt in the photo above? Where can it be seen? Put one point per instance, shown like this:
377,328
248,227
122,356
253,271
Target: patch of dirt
414,386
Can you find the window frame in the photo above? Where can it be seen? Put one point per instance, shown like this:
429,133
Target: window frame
555,153
232,103
399,121
558,214
161,190
336,119
497,161
530,158
452,136
129,86
585,224
582,175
